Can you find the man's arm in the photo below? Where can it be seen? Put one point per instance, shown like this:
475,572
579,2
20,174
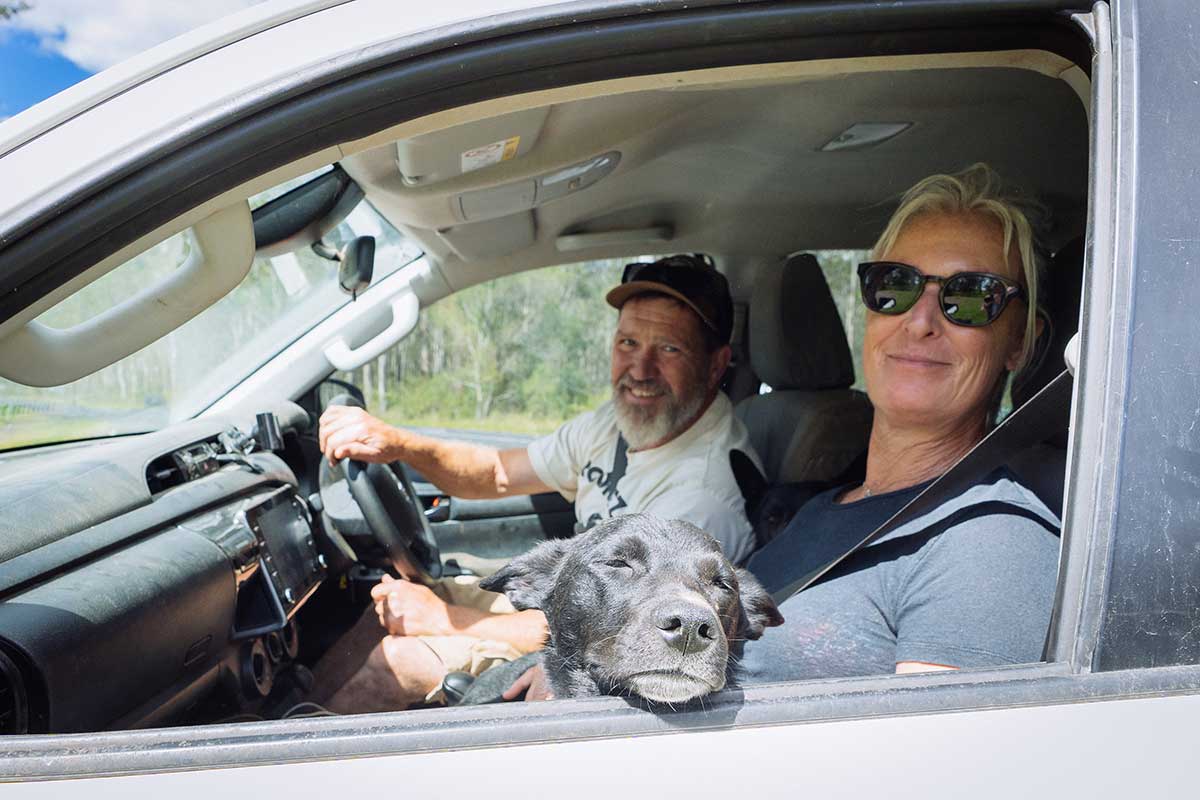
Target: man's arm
458,468
409,609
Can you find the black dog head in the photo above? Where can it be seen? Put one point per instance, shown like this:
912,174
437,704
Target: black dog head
638,605
777,505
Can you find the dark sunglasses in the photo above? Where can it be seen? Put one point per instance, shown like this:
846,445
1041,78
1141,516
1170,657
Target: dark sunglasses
696,270
972,299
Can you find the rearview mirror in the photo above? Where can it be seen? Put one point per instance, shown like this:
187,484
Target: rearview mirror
357,265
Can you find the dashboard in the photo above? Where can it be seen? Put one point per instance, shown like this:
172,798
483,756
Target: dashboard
153,580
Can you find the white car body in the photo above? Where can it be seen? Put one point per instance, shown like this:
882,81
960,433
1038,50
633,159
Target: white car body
1066,727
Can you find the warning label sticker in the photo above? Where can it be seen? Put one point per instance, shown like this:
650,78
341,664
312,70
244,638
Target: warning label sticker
488,154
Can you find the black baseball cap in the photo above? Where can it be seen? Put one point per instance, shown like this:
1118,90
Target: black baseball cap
691,279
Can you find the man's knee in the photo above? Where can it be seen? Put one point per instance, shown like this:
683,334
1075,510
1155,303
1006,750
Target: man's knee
399,671
411,661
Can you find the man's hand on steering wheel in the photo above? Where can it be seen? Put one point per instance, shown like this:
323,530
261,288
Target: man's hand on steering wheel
360,448
350,432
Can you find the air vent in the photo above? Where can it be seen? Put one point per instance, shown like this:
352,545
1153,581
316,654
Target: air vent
14,706
186,464
163,473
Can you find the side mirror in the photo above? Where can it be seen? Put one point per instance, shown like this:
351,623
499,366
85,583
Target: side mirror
357,265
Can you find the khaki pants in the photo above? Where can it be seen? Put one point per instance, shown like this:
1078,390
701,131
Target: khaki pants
466,653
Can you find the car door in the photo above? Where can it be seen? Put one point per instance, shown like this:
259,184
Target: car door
1107,714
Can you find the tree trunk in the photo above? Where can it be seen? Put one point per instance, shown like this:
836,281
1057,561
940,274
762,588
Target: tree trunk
848,314
380,381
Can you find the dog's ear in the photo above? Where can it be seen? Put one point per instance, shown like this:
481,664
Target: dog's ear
759,611
528,579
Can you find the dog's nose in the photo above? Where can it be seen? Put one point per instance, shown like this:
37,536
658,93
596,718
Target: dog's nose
687,629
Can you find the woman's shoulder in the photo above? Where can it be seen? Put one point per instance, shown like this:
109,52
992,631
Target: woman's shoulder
998,499
1002,492
999,531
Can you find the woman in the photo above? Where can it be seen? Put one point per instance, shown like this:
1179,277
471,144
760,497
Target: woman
951,298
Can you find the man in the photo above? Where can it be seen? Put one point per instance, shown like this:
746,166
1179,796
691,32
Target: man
660,446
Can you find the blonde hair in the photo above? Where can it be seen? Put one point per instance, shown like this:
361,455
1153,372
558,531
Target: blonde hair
978,189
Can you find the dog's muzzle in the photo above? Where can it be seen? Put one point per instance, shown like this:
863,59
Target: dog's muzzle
671,686
687,628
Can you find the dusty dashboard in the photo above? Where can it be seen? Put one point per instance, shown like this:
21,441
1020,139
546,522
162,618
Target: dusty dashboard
142,634
153,615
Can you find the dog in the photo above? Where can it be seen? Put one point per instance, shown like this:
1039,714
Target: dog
778,504
638,606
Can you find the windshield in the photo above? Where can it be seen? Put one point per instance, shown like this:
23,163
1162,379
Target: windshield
190,368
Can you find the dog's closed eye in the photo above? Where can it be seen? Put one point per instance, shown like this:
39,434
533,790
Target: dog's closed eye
618,564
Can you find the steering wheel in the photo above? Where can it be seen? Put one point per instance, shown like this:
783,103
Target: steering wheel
391,510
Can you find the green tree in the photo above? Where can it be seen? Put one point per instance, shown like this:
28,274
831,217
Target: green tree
532,345
10,10
840,269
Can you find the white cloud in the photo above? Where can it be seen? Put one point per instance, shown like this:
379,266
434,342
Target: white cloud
96,35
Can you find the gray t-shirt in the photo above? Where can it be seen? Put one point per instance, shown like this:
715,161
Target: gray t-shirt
966,585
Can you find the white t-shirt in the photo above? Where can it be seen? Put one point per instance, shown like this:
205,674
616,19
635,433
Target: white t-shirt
687,478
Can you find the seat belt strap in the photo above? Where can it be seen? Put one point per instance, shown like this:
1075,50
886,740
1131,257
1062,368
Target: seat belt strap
750,482
1025,427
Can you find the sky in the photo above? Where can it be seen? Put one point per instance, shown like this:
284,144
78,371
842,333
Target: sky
56,43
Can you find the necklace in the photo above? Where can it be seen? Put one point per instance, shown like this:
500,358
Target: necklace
866,490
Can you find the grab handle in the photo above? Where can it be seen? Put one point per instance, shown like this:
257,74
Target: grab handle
405,308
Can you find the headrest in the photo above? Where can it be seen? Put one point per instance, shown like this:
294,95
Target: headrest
1059,310
796,335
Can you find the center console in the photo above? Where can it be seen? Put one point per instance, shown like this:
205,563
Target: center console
289,559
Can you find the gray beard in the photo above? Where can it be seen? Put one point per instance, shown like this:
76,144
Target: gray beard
643,428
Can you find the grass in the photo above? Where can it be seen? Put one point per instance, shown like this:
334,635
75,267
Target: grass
29,429
24,430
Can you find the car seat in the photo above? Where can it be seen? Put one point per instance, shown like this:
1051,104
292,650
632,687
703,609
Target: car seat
1043,468
811,426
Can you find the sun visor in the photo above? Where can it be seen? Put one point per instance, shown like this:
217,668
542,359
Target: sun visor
434,157
37,354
